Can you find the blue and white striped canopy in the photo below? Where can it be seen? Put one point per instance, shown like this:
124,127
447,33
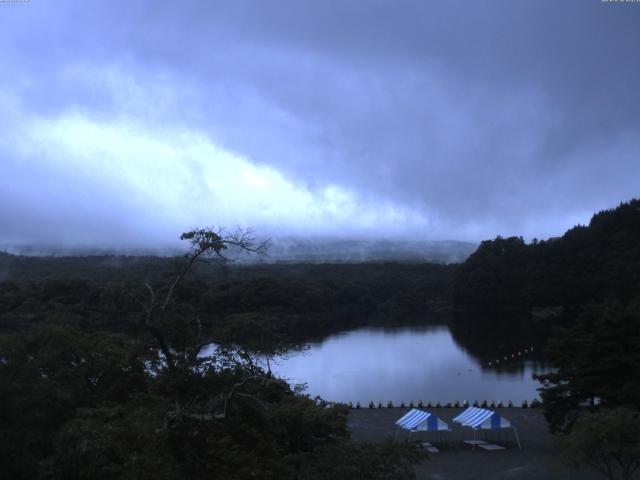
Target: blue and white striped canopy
420,420
481,418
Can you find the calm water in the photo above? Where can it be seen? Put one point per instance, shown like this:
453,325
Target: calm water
404,364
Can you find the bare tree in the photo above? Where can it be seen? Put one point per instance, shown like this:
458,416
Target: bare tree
204,242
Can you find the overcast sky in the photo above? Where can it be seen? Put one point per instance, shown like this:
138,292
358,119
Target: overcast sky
125,123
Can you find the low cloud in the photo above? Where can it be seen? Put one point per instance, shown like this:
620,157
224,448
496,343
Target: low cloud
457,120
78,181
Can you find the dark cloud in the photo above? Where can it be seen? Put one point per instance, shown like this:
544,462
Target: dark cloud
455,119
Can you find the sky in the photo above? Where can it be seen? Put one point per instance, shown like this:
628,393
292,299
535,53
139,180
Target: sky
127,123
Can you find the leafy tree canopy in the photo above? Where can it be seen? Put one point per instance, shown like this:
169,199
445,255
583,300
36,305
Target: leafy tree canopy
588,263
597,363
607,441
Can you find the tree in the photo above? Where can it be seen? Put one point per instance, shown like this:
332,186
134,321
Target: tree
607,441
204,242
597,363
256,335
587,264
388,461
81,403
46,375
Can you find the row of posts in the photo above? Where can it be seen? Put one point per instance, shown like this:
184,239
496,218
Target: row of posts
484,404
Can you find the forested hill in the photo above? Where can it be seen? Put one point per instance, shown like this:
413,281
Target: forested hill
96,291
587,264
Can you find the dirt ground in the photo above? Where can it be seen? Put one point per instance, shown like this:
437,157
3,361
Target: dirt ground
538,459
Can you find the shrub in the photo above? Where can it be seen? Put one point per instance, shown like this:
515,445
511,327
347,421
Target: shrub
607,441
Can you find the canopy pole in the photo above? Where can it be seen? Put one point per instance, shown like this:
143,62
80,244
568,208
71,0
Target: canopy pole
515,431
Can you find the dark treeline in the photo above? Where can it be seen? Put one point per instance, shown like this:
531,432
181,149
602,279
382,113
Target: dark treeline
301,300
587,264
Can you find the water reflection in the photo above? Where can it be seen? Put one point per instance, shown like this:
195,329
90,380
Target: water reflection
497,340
409,363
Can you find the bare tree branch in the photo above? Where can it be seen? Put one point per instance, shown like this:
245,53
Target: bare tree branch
235,392
204,242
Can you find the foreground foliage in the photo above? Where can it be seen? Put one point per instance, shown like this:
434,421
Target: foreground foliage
593,396
99,406
607,441
597,364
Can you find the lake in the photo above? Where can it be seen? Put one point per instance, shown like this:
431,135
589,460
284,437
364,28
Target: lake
413,363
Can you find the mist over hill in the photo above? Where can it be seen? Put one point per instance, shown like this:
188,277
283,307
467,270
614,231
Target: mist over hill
294,250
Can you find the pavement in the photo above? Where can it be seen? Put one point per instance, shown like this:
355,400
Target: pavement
539,458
